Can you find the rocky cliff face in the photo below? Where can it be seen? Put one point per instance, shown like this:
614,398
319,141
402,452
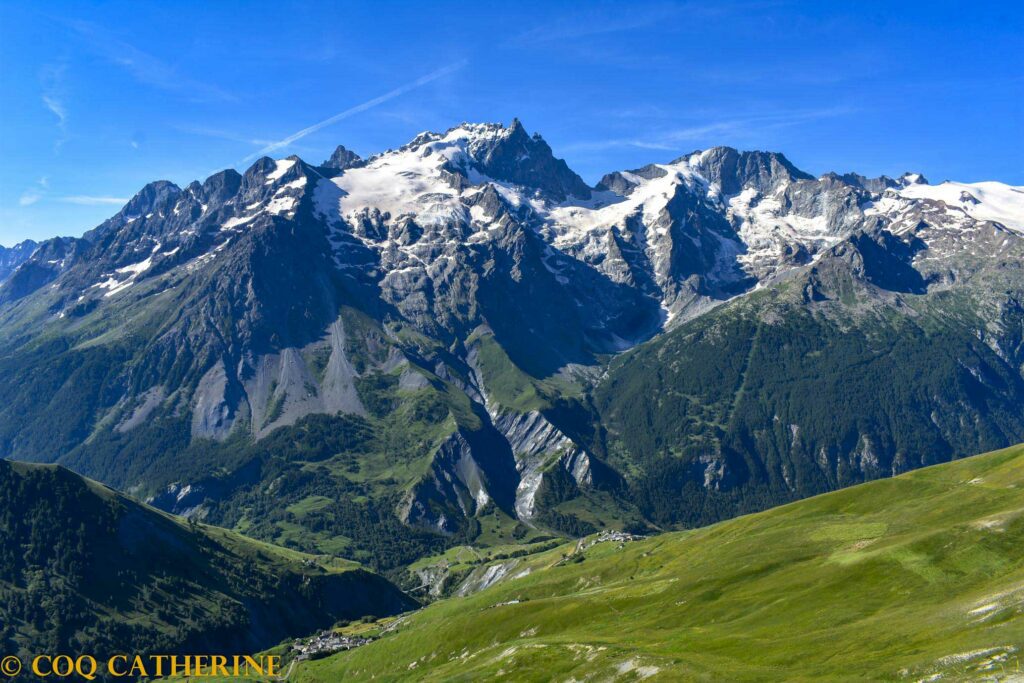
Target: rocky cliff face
538,445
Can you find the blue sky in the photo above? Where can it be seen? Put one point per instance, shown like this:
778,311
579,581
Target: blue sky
98,99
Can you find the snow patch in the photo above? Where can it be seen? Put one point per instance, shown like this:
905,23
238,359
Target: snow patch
282,167
296,184
113,285
235,222
279,205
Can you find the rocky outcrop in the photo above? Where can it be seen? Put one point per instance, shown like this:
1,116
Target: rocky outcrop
486,576
512,155
341,159
466,473
733,170
455,487
538,446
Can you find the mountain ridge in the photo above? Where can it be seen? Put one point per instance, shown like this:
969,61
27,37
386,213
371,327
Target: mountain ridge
14,256
87,567
468,293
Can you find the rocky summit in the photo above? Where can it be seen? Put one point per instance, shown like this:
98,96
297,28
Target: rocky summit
461,337
11,258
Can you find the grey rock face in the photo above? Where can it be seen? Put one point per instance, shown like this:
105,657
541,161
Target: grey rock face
539,445
341,159
456,486
518,158
879,184
215,404
623,182
733,171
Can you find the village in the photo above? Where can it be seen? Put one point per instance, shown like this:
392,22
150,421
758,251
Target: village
608,536
325,643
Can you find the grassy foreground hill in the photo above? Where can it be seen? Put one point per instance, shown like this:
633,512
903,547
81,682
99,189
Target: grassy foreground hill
84,569
916,577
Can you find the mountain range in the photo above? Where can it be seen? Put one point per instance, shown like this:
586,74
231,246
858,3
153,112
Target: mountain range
459,339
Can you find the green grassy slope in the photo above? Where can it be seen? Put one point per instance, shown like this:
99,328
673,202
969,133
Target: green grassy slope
85,569
901,578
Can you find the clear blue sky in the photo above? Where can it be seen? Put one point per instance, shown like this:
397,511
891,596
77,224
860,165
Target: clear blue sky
96,100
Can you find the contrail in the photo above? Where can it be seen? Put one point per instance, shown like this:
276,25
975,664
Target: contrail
400,90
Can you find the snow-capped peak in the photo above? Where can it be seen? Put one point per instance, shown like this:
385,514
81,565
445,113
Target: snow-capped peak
427,177
911,179
468,134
